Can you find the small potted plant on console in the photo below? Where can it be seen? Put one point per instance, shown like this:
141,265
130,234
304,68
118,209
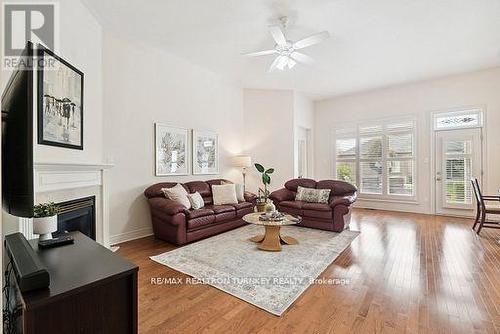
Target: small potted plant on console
45,220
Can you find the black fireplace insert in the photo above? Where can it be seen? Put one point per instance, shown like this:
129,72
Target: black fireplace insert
77,215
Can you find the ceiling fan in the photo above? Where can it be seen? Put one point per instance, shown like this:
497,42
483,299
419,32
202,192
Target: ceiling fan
286,50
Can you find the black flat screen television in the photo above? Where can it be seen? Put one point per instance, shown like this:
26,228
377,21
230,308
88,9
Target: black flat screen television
17,139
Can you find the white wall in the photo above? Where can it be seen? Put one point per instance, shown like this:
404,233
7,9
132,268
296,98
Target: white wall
81,46
80,43
304,118
271,121
269,134
143,85
419,99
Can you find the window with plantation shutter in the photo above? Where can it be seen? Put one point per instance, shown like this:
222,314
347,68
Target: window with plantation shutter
379,158
346,153
400,158
370,160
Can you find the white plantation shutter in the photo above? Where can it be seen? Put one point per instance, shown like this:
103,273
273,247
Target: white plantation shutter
458,160
400,145
371,177
370,165
346,148
370,129
400,156
345,155
458,174
371,147
400,177
383,161
402,126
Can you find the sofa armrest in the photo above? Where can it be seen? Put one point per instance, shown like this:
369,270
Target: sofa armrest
346,200
250,197
282,195
166,205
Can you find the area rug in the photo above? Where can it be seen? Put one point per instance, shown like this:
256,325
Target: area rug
269,280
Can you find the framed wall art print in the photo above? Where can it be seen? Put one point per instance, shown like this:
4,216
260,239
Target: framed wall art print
205,152
172,150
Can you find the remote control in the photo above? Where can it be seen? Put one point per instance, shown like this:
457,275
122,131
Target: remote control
55,242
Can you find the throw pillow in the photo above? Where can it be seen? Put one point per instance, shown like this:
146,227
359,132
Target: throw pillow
240,191
196,200
177,193
312,195
224,194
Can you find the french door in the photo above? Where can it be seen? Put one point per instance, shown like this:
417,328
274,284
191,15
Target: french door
458,158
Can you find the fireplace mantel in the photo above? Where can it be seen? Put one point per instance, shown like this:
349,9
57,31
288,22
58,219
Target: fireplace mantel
59,176
59,182
70,166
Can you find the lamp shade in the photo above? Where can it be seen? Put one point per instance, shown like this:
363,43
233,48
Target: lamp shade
242,161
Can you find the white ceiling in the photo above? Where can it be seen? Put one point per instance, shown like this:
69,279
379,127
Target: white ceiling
374,43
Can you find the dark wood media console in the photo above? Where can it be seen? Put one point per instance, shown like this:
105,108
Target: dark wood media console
92,290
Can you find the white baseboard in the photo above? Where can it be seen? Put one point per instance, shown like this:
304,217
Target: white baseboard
370,206
470,215
130,235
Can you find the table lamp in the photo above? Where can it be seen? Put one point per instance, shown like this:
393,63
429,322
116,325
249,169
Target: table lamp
242,161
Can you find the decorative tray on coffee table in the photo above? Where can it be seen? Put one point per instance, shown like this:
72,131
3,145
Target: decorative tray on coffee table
273,216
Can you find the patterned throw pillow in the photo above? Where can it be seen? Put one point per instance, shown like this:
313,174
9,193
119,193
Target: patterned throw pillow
196,200
312,195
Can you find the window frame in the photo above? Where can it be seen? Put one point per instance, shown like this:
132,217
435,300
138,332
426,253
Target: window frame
354,133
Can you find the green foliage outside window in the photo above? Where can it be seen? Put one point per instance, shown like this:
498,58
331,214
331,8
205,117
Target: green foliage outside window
345,173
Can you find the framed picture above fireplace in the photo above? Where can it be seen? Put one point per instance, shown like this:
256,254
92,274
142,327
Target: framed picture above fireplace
60,101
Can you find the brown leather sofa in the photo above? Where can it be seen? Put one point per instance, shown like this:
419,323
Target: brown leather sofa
334,216
174,224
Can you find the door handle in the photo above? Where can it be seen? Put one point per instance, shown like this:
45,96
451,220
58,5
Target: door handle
438,178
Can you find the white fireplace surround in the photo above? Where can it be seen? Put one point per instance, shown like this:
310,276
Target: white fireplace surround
60,182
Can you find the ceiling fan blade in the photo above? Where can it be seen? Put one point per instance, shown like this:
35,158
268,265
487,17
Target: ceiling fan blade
274,64
278,35
282,63
260,53
301,58
311,40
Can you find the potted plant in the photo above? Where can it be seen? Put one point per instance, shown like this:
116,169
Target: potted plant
45,220
263,203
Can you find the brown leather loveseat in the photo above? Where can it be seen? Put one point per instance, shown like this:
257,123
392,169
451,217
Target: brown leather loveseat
334,216
174,224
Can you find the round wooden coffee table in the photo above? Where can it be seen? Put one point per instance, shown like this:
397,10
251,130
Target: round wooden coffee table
272,239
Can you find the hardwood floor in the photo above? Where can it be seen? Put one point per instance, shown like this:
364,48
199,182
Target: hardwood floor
408,273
